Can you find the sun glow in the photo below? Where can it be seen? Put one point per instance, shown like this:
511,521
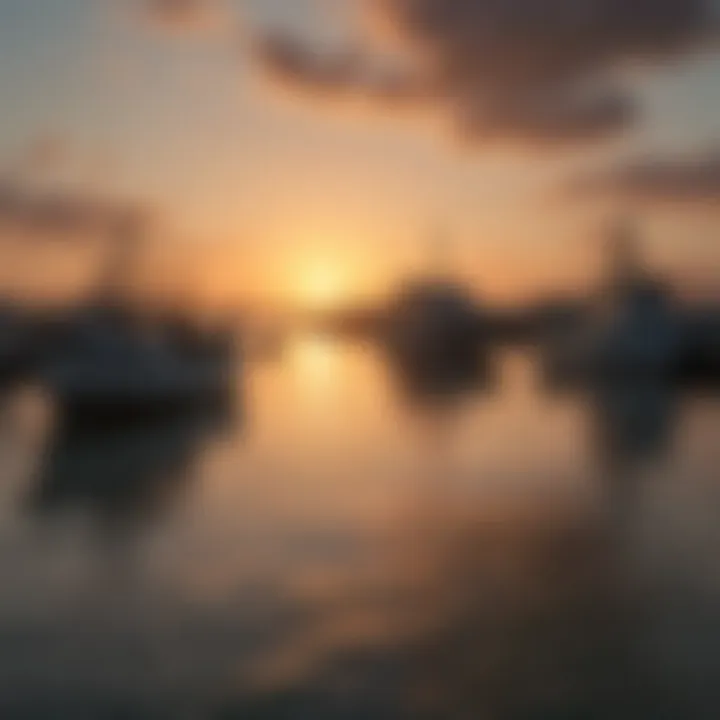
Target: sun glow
322,285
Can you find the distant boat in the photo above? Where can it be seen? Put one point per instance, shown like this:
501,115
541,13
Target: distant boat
112,368
633,329
433,323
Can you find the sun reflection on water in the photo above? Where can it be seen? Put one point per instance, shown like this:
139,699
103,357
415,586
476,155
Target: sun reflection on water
315,359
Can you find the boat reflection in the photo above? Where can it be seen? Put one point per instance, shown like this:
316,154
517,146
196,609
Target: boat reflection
428,381
633,423
442,586
502,604
123,477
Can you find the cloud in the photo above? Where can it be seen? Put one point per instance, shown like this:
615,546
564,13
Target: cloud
337,74
693,180
535,70
26,212
184,16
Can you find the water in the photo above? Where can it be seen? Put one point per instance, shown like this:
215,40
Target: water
345,547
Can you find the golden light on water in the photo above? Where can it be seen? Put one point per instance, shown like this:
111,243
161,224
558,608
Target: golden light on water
315,361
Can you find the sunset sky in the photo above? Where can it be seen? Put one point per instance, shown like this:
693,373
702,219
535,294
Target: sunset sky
306,150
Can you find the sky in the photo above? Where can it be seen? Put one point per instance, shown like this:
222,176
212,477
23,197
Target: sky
311,150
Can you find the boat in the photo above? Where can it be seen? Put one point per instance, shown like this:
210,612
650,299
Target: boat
112,367
633,328
433,320
113,363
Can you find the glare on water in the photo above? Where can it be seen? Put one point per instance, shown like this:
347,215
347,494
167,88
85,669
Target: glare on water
337,543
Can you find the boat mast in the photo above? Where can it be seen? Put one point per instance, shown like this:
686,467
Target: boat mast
438,254
624,262
125,236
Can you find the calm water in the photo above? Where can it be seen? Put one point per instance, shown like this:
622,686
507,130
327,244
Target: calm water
343,548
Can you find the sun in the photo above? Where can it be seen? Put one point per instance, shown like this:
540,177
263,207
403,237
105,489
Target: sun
322,285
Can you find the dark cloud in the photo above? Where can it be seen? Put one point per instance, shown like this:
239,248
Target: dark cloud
690,180
541,70
291,62
54,214
337,75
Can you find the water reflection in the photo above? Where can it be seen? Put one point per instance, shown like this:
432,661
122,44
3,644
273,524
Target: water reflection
634,423
506,610
337,564
123,476
429,381
503,605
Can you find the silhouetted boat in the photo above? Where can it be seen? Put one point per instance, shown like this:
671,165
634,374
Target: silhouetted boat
112,364
433,321
112,368
434,342
633,330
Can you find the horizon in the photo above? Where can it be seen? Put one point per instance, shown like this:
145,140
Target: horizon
290,159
